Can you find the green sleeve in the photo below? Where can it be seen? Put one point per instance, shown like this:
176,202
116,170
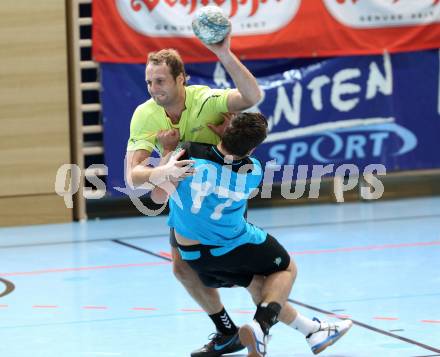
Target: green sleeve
142,132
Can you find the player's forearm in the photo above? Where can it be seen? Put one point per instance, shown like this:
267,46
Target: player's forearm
243,79
141,175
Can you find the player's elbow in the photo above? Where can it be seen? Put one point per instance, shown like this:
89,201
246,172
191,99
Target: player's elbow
240,101
133,180
258,96
129,180
159,196
253,98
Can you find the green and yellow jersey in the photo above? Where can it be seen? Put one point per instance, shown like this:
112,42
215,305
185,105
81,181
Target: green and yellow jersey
203,106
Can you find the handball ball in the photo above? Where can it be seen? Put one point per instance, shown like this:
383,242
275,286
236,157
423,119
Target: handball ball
211,25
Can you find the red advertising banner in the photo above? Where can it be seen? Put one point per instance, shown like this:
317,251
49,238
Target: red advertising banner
125,31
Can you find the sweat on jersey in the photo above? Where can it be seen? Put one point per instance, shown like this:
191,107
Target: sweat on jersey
203,106
210,206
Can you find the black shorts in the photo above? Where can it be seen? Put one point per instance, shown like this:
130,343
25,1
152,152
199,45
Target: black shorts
173,241
239,266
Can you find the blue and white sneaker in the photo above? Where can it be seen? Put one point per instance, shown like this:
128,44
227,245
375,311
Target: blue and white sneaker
327,334
220,344
253,337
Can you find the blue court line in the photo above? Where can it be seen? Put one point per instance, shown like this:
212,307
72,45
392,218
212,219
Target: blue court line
361,324
302,225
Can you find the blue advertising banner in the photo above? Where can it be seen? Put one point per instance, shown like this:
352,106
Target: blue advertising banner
352,110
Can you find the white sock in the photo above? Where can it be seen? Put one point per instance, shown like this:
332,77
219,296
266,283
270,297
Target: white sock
304,325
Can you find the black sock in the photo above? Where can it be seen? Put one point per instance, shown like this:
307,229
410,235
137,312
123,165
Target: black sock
267,315
223,323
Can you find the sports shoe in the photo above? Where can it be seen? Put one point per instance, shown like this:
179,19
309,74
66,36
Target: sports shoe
327,334
254,339
219,345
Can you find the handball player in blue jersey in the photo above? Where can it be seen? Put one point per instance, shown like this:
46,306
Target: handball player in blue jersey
213,236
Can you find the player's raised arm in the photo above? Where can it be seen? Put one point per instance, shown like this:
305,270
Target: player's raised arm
247,93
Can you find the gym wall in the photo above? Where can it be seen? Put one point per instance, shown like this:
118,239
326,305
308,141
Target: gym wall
34,112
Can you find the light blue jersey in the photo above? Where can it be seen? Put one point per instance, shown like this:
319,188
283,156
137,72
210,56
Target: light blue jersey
210,206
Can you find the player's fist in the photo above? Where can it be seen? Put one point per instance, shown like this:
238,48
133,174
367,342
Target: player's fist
220,128
168,139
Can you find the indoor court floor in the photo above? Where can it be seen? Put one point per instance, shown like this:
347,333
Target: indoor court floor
105,287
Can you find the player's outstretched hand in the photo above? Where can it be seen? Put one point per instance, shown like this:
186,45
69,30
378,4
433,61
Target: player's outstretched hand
172,169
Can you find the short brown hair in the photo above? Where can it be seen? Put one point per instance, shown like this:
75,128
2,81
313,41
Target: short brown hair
247,131
171,58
